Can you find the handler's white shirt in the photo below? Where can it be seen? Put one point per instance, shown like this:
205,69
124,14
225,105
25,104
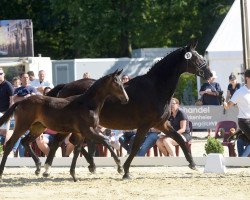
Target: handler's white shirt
241,97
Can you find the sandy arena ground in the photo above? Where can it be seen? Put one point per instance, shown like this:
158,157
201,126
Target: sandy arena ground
146,183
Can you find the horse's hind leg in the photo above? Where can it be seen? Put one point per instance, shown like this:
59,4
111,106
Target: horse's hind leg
168,130
59,137
8,148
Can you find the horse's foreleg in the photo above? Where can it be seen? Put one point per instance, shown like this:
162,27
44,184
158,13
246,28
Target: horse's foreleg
26,143
77,151
90,160
139,137
177,137
53,147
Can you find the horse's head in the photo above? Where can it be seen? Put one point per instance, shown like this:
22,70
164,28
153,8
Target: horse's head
195,63
116,87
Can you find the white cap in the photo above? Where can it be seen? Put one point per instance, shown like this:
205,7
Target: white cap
214,74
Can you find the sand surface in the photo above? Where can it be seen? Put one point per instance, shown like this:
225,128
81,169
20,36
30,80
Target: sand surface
106,183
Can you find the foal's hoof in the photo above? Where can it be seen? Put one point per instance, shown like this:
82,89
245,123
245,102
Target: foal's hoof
46,175
92,169
73,174
192,166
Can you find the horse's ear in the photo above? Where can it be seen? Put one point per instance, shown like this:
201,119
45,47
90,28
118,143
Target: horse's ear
192,45
119,72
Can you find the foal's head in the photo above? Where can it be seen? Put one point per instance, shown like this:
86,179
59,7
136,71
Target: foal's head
115,86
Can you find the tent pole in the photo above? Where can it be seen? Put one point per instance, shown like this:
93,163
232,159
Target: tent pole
245,34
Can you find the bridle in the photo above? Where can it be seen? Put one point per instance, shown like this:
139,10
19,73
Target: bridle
199,68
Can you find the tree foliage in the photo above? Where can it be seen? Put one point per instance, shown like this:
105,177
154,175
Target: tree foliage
112,28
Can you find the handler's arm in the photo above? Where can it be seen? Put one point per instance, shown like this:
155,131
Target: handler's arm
227,105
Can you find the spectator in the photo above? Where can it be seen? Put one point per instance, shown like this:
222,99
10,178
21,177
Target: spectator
41,83
31,75
125,78
113,136
211,93
86,75
243,146
25,90
241,97
6,99
179,121
16,82
127,140
232,86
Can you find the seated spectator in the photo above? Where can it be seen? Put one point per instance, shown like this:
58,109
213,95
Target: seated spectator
17,145
113,136
179,122
243,146
150,140
125,140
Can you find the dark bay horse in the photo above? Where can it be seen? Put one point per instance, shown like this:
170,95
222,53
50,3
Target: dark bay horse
78,115
150,96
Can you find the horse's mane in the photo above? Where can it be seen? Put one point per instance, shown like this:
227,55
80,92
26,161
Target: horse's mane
170,58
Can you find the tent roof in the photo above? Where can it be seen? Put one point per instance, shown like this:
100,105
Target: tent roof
228,37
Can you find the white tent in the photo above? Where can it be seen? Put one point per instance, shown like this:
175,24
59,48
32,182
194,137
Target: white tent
225,51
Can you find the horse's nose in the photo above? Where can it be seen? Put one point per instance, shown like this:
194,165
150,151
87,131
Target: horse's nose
125,100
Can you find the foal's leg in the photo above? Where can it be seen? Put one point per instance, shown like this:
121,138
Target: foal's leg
77,151
59,137
8,148
90,160
139,137
105,142
35,130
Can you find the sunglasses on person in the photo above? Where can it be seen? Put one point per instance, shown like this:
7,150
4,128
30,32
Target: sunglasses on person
1,73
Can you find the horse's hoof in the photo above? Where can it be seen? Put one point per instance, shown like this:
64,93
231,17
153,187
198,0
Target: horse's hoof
92,169
37,172
126,176
46,175
120,170
192,166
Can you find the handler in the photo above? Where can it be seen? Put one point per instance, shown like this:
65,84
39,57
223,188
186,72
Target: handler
242,98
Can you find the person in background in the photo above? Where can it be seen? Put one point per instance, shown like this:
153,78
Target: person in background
16,82
241,97
211,93
125,78
6,100
86,75
232,86
41,83
31,75
179,121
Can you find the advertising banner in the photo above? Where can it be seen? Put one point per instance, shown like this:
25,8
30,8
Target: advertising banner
206,117
16,38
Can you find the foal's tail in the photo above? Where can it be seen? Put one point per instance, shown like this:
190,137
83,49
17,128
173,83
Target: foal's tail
8,114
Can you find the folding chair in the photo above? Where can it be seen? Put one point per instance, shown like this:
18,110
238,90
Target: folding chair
226,126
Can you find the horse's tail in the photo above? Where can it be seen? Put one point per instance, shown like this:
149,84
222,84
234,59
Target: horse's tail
54,92
8,114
